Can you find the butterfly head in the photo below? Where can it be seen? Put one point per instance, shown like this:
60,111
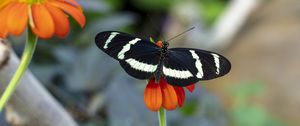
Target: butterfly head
162,44
165,44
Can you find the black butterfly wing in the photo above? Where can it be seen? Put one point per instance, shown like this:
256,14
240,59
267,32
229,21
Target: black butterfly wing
116,44
185,66
138,57
142,67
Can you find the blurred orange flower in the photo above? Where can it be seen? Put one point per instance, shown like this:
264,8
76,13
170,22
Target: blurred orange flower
45,17
164,95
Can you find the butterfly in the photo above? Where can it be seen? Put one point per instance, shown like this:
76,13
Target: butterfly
143,59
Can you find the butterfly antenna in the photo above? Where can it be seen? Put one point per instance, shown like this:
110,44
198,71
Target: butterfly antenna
181,33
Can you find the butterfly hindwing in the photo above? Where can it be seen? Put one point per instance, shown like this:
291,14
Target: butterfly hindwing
142,67
186,66
177,72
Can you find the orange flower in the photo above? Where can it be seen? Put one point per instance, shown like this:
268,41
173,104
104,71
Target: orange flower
45,17
164,95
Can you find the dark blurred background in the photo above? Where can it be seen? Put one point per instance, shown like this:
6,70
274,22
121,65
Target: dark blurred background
260,38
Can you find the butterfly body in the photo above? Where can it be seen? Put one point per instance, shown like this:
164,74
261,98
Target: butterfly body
162,57
143,59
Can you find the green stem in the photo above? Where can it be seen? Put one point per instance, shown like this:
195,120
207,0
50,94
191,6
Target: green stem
25,60
162,117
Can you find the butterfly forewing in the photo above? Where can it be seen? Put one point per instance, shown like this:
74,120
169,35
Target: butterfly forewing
138,57
121,45
184,66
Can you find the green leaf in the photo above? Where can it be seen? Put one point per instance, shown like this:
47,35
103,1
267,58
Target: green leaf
152,40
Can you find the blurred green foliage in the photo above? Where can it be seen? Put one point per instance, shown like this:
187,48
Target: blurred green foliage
190,107
246,113
211,10
153,5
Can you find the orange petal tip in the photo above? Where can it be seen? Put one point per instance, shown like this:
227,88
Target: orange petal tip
74,11
170,100
180,95
43,22
191,87
153,96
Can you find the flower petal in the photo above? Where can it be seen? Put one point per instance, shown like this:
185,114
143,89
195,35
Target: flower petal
61,22
3,3
4,13
159,44
42,20
153,96
180,95
75,12
169,95
191,87
17,19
